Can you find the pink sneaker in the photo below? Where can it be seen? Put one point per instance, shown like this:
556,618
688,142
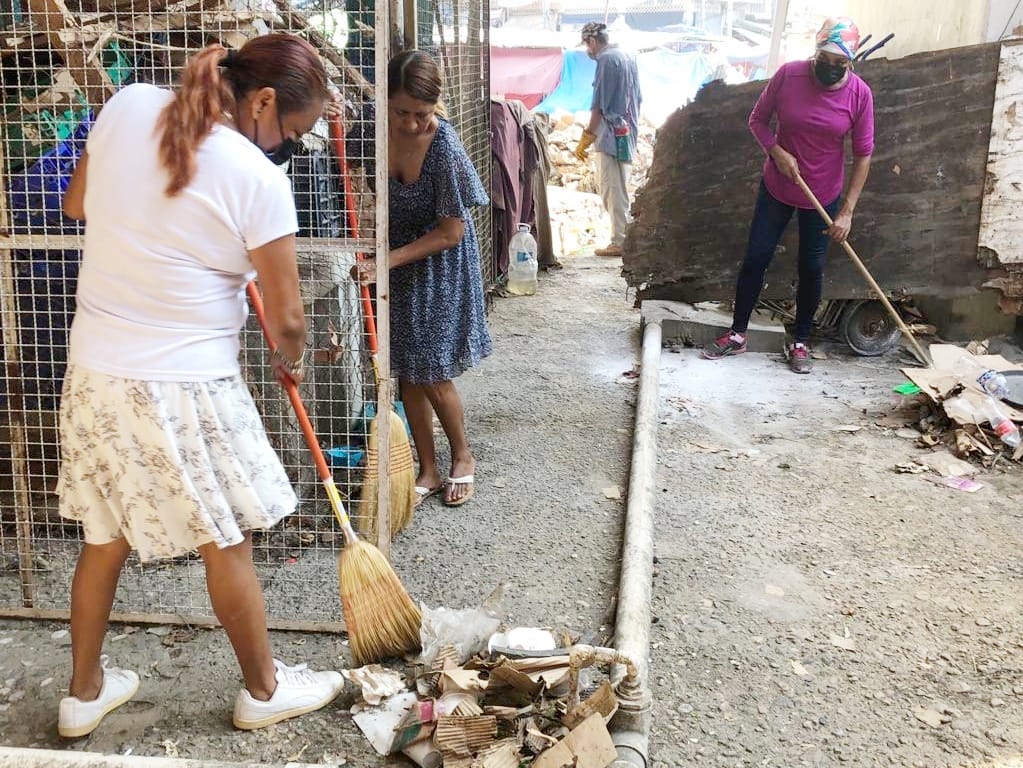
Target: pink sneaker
798,355
731,343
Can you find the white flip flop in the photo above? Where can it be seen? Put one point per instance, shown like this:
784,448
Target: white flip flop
465,480
423,493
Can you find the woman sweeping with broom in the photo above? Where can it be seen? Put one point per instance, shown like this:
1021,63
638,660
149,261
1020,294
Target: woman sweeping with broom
817,103
439,326
163,450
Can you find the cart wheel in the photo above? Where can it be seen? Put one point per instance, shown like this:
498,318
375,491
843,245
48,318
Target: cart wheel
867,327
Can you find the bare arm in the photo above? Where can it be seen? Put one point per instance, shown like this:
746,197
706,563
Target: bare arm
277,267
839,231
447,234
74,196
860,170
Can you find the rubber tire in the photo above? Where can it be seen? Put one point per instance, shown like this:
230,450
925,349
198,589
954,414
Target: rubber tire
880,334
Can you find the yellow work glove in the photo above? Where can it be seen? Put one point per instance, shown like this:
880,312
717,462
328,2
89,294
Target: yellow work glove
585,143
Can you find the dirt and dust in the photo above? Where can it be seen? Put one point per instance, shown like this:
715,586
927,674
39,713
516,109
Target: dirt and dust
812,605
550,419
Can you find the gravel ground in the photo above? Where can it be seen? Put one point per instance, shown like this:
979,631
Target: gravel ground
550,418
813,607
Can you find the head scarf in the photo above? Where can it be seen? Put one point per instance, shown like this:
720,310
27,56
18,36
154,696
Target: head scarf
840,36
595,30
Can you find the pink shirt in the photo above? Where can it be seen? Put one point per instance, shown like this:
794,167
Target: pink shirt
812,125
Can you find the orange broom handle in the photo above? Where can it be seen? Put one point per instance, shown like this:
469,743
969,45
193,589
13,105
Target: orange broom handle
337,135
303,420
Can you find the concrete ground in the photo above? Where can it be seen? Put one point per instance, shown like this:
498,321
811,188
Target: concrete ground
550,419
813,607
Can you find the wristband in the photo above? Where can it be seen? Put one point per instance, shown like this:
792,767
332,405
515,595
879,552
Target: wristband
294,368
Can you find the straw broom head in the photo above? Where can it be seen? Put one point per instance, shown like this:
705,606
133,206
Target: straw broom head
402,478
380,616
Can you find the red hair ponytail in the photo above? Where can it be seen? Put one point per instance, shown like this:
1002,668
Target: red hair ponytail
211,87
205,95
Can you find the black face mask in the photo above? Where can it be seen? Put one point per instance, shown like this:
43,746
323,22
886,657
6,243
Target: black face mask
828,74
282,153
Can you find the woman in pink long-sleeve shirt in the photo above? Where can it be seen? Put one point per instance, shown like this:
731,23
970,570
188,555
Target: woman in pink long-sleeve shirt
817,103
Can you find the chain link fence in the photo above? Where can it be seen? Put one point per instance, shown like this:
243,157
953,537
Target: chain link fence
59,61
457,34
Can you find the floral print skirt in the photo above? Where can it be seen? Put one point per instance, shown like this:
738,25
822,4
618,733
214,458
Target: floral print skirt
169,466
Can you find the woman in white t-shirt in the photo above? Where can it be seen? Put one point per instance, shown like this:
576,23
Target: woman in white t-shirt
162,448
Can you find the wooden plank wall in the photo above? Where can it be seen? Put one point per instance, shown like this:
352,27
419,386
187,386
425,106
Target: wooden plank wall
917,223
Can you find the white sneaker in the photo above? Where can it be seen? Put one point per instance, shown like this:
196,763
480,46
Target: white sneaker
299,691
80,718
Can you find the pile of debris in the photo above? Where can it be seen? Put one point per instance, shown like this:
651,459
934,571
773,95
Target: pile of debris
956,411
476,698
569,172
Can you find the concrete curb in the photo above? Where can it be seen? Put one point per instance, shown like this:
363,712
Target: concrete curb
700,324
16,757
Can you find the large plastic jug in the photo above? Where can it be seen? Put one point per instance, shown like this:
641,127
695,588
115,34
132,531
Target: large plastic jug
522,263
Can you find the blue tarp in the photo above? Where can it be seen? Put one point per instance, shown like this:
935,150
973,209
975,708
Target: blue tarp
575,91
668,80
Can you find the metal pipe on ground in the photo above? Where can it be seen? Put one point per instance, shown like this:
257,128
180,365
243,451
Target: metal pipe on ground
630,728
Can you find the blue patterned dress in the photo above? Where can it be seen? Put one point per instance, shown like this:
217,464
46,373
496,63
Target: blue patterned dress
438,323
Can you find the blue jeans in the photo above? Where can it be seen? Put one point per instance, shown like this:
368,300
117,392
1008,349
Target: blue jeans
770,217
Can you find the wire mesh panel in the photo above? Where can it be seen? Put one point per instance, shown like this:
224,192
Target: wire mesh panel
60,62
457,34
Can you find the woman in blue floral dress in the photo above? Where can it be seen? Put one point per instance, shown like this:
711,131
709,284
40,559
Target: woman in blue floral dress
438,322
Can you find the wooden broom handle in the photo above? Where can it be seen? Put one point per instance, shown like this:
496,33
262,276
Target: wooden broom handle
866,275
337,135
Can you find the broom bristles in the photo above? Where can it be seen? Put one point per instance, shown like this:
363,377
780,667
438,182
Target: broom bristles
380,616
402,478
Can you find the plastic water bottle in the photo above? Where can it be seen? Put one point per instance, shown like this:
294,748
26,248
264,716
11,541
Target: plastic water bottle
522,265
1003,426
990,381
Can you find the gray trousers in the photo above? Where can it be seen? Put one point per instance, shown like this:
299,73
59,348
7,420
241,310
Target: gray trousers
611,178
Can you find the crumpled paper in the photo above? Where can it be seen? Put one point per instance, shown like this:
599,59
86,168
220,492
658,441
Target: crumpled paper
376,682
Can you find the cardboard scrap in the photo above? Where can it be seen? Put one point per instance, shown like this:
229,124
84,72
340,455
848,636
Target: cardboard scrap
947,465
939,381
501,754
378,723
588,745
461,681
464,736
602,702
506,676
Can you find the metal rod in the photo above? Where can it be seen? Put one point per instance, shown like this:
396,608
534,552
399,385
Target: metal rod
381,50
917,349
15,405
55,242
182,619
781,14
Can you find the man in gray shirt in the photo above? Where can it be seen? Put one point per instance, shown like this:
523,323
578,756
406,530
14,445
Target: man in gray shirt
613,127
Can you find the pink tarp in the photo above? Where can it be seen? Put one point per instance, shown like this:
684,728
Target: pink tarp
526,74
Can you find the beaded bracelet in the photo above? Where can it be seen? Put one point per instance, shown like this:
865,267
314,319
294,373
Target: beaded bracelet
294,368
